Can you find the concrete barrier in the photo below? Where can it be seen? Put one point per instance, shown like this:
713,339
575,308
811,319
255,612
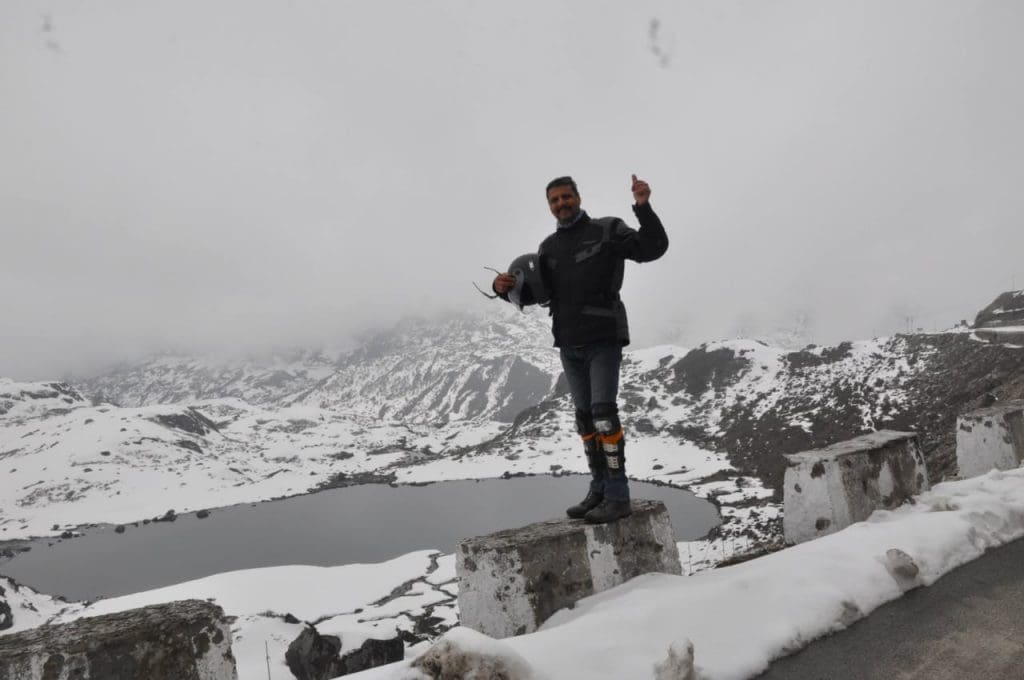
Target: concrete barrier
185,640
511,581
829,489
990,438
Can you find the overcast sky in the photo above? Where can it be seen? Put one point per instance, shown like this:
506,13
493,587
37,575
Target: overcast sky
247,174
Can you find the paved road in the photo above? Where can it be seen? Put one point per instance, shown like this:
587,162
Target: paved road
969,625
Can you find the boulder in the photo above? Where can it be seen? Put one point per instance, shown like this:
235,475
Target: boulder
312,656
6,615
373,653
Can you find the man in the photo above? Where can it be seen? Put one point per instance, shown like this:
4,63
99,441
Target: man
582,264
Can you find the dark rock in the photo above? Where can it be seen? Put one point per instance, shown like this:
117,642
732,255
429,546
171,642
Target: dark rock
190,445
6,615
190,420
119,529
373,653
341,455
312,656
203,514
701,369
288,618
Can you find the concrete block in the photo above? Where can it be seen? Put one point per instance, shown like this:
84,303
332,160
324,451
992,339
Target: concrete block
511,581
829,489
990,438
185,640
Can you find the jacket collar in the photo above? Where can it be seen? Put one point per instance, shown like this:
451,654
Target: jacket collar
581,217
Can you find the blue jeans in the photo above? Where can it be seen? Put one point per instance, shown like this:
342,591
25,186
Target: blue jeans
593,375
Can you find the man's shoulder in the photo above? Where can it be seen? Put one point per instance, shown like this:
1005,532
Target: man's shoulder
613,227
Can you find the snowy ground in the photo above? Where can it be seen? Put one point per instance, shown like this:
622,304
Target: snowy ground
742,617
70,463
738,618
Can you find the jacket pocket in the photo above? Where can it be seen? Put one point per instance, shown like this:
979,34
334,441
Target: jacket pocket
599,311
587,253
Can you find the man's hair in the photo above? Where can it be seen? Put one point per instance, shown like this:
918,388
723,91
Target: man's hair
562,182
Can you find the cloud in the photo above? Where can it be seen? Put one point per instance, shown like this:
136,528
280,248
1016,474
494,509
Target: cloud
250,174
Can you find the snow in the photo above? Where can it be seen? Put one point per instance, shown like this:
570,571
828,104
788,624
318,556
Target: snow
352,601
742,617
738,618
69,462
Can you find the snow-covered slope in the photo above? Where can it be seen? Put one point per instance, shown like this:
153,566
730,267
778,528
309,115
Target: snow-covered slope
175,378
465,368
429,401
20,401
462,368
734,621
463,398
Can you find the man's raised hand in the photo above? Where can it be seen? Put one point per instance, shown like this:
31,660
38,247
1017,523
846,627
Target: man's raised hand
641,191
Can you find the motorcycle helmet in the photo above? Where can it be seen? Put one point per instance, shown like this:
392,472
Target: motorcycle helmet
530,288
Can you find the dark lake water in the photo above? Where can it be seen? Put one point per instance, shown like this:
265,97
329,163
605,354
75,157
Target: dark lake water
368,523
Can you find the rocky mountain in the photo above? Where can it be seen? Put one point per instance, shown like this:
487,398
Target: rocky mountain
469,396
1005,310
180,378
757,403
463,368
1003,320
466,397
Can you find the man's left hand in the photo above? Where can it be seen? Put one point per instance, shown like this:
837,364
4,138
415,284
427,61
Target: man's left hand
641,191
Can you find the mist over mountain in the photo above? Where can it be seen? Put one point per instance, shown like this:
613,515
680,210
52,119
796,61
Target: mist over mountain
482,392
316,172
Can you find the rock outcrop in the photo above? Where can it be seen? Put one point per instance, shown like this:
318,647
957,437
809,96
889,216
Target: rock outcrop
1005,310
313,656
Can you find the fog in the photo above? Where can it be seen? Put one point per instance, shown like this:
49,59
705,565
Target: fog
241,175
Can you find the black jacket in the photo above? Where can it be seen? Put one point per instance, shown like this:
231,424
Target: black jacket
583,265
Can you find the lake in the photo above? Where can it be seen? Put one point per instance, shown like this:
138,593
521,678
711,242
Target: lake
357,524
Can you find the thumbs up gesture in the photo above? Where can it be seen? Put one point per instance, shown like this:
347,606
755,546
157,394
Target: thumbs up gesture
641,191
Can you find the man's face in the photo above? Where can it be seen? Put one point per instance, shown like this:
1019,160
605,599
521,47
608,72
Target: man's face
564,203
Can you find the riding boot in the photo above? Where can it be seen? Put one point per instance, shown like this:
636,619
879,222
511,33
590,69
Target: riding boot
598,471
615,504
